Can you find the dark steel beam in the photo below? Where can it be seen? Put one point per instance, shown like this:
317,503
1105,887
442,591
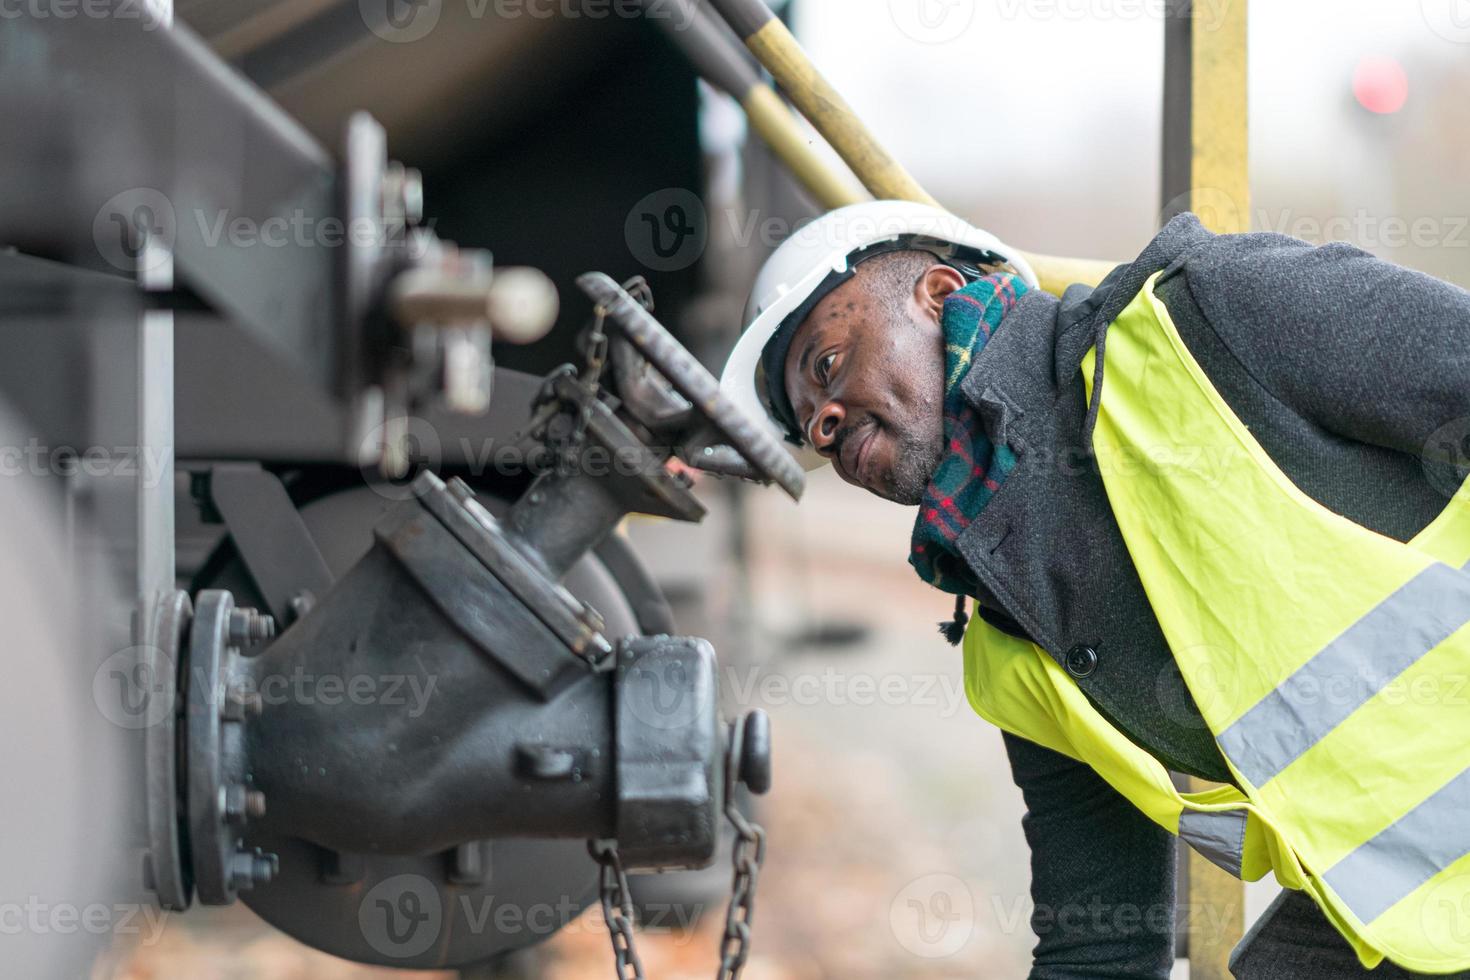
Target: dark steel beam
117,126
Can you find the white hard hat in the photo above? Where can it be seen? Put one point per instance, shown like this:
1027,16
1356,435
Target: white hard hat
817,258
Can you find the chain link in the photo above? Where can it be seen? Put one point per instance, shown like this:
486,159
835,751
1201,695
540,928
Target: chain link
747,857
591,377
595,343
617,909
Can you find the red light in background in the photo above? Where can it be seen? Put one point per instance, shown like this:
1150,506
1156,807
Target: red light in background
1380,85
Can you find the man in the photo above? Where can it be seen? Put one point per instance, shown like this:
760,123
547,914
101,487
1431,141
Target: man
1205,512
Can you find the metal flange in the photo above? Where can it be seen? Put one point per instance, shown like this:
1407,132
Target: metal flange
165,624
218,704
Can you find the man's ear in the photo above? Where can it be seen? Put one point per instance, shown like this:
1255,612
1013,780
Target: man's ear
934,287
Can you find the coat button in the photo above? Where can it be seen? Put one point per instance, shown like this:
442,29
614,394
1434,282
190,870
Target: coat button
1081,660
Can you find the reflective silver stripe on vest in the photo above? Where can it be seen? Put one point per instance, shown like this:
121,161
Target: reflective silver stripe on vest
1217,834
1340,677
1416,847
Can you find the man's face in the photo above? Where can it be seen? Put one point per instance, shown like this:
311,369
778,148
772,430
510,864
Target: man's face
865,374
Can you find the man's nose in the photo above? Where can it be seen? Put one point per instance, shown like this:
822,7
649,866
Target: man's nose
825,424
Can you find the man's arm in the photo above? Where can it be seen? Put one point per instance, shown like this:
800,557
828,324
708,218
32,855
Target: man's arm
1102,874
1363,348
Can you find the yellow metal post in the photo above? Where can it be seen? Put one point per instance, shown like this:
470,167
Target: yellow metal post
881,173
1220,170
716,53
1207,171
778,126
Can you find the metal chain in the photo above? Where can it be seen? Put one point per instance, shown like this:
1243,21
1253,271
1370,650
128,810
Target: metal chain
591,378
596,343
617,909
747,857
596,340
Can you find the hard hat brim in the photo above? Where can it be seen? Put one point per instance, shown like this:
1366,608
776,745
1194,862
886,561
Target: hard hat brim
739,377
892,220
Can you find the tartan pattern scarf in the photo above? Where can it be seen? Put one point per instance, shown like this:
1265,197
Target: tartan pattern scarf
971,469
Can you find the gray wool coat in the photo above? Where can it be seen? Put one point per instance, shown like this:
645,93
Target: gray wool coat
1354,375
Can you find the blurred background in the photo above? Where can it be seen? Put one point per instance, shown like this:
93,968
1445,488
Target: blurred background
895,842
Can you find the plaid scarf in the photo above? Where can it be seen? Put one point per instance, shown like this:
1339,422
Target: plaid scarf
972,469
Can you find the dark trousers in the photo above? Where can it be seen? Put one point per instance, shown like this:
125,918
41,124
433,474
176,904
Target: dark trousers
1294,941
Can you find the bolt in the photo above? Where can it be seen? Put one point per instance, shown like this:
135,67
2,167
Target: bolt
254,804
251,868
239,631
249,627
238,804
302,603
231,804
241,703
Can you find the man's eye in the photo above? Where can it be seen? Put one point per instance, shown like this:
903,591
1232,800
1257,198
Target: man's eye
824,368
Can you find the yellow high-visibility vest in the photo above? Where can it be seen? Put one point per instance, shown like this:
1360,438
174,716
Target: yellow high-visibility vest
1329,662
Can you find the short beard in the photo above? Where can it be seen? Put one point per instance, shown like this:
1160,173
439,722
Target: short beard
917,460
